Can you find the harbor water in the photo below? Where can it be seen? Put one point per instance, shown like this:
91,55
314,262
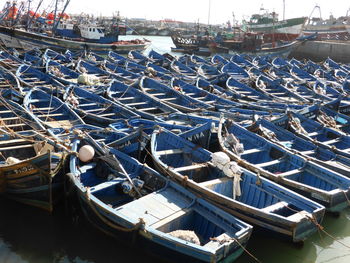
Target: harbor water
29,235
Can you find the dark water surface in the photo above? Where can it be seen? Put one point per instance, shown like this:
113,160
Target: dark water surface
29,235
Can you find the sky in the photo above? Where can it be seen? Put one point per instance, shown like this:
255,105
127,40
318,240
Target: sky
194,10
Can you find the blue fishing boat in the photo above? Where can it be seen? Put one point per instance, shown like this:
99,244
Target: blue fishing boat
331,64
302,75
198,60
330,89
218,59
246,91
235,71
31,169
94,109
280,165
298,145
312,95
186,59
135,67
148,126
137,205
32,77
319,134
180,68
328,117
62,73
281,63
9,80
50,111
135,100
121,73
137,57
274,89
13,117
94,58
159,59
117,58
9,61
208,71
93,74
159,69
52,55
243,60
171,96
212,100
254,199
223,92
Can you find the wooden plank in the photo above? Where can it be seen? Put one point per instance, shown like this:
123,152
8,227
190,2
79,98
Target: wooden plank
16,147
332,141
158,94
190,167
12,141
307,152
44,108
136,103
10,118
215,181
148,109
108,114
168,152
51,115
5,111
291,172
311,134
87,104
168,99
274,207
254,150
125,98
105,185
92,110
15,125
261,165
169,219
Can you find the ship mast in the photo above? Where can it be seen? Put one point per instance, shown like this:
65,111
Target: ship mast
209,12
284,10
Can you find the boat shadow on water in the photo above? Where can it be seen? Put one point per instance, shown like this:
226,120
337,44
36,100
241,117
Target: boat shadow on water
320,247
30,235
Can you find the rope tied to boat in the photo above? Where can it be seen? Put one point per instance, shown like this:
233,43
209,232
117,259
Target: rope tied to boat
327,120
346,197
230,168
226,240
296,124
184,181
312,219
258,180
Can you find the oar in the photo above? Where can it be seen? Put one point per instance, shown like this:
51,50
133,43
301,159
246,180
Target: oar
111,160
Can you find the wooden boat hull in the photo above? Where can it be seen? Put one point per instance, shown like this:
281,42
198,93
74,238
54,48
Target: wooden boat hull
153,244
302,176
32,182
219,190
14,38
146,221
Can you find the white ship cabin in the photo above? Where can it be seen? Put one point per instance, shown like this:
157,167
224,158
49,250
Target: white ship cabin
91,31
65,25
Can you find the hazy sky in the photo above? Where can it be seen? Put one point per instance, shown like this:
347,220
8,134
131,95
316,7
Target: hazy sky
192,10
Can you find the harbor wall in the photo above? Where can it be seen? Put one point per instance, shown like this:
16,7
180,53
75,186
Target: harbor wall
320,50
